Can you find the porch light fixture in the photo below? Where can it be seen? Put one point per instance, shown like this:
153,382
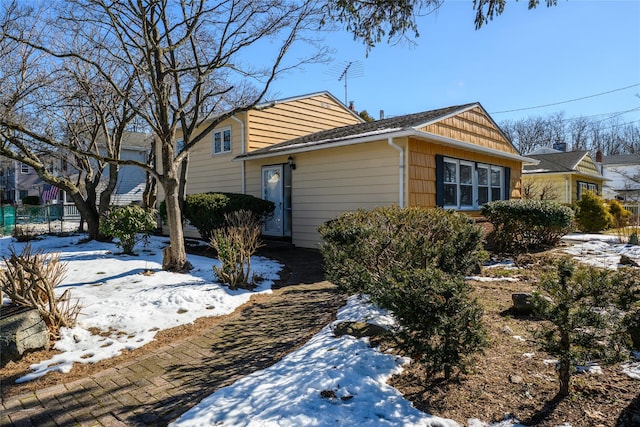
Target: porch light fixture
290,163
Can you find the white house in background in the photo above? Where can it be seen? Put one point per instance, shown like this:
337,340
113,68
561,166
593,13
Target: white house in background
132,179
622,174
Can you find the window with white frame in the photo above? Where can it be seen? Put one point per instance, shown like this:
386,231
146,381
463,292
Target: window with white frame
24,168
584,186
469,185
221,141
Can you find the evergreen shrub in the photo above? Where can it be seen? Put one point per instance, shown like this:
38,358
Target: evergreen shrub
621,216
206,211
592,214
412,261
129,224
589,312
523,225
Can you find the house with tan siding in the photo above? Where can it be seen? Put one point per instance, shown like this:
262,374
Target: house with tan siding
561,176
211,163
454,157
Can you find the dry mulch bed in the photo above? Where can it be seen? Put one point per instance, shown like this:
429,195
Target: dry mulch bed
511,379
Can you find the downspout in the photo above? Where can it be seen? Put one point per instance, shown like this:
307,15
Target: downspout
243,151
401,183
567,190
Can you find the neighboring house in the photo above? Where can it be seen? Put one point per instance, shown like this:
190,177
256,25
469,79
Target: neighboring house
561,176
131,179
454,157
622,173
18,181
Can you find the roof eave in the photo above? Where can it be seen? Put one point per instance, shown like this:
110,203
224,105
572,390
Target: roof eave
573,172
320,145
477,148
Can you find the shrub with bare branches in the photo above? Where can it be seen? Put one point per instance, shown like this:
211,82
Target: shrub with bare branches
30,278
235,244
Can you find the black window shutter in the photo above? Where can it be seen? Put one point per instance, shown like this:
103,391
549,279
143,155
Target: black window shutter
439,180
507,183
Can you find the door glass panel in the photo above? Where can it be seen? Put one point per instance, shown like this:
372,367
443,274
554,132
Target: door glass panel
272,191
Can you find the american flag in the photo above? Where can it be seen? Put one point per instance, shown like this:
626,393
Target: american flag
50,193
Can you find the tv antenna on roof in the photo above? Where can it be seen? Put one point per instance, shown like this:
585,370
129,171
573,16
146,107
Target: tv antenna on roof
344,71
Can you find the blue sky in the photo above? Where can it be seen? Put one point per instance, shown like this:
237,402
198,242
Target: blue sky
523,58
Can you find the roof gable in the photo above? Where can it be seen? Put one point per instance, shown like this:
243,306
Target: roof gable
563,162
472,125
379,128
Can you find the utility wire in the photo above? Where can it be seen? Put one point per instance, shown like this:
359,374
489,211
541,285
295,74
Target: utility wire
566,102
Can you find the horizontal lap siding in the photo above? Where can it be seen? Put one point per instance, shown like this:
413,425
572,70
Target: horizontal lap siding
329,182
555,185
209,172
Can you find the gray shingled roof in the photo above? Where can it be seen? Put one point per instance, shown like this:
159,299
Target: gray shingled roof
378,127
555,162
622,159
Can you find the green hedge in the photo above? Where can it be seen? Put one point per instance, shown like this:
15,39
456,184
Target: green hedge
523,225
358,245
206,211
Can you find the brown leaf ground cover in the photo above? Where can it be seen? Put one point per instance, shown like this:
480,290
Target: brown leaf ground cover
512,380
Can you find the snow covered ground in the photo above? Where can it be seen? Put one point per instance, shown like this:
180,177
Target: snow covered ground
133,298
130,297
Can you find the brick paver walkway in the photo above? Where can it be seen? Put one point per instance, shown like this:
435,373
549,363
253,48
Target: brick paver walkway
159,387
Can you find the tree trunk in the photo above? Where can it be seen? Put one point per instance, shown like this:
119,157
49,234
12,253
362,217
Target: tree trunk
564,373
89,214
175,255
105,196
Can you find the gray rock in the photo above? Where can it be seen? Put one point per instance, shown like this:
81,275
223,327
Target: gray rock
515,379
21,329
625,260
358,329
522,303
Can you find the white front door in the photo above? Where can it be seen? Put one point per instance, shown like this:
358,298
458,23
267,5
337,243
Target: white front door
272,186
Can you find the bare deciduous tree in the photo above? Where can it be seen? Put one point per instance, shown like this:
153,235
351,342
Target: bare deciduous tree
190,66
57,112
